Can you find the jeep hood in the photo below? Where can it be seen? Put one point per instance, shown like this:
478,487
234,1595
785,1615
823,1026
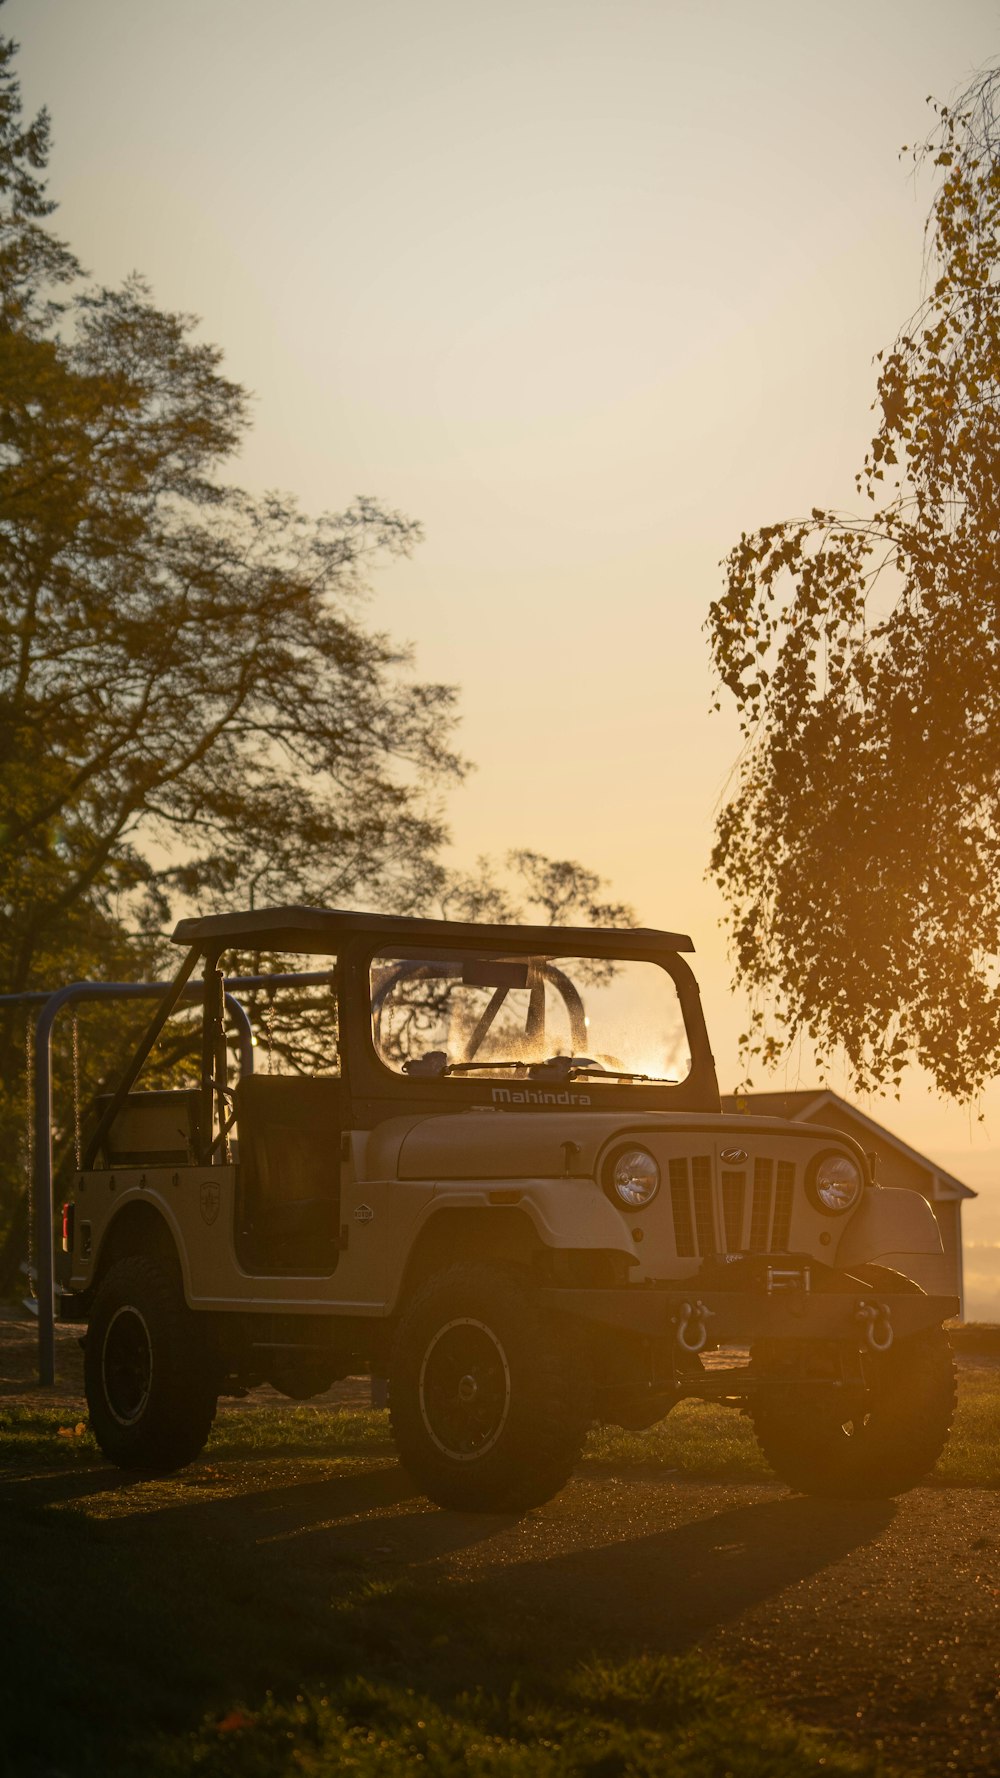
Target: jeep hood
502,1144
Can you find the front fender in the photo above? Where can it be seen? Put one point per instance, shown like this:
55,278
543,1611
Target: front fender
571,1212
891,1226
576,1213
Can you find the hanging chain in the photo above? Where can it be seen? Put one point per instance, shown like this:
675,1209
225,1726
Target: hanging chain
29,1145
76,1094
269,1028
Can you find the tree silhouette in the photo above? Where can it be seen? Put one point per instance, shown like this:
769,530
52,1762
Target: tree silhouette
858,854
192,709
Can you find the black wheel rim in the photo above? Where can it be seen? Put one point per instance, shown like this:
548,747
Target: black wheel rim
127,1365
465,1389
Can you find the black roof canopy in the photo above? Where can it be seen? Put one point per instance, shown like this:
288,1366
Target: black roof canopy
324,929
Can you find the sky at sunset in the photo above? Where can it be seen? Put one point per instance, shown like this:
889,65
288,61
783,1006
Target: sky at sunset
588,288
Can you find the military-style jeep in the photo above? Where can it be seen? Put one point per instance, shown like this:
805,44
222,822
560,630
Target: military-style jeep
510,1190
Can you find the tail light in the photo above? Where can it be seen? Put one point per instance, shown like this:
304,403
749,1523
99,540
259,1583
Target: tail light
68,1218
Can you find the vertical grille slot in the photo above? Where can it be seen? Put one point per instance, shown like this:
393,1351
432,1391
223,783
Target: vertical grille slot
680,1204
783,1195
704,1217
760,1209
733,1195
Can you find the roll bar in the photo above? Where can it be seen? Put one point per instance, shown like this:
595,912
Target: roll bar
51,1004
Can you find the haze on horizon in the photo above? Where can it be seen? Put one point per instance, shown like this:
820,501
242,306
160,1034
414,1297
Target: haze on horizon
588,290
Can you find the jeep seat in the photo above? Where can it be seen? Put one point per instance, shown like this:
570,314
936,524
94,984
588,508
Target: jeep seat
289,1157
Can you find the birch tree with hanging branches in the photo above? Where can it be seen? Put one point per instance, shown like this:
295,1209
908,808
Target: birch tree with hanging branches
858,853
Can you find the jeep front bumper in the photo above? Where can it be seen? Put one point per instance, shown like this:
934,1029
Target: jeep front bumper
692,1317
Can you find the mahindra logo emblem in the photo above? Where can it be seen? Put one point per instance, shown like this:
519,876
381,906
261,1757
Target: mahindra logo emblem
734,1155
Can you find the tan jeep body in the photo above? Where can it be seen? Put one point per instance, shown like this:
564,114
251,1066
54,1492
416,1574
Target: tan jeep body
304,1216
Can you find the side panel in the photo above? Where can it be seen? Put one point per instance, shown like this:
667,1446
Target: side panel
197,1206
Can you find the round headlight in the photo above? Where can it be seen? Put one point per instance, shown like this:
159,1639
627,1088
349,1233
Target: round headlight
836,1182
635,1177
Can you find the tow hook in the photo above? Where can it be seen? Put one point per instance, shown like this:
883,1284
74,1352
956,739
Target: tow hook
878,1331
692,1332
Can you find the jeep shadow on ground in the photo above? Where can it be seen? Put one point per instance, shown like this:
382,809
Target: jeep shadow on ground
144,1604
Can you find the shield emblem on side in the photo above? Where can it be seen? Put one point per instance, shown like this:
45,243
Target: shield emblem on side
210,1200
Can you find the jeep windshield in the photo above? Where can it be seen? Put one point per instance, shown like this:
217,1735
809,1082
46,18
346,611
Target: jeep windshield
551,1019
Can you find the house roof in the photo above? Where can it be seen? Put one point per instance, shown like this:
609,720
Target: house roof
800,1106
319,929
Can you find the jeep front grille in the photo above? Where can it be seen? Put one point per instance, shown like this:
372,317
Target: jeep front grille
701,1219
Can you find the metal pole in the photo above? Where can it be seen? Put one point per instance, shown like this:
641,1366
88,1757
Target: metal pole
43,1187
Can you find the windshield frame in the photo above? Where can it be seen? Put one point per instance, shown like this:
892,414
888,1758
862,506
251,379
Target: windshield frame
379,1090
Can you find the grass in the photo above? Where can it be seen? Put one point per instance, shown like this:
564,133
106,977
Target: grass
697,1440
212,1624
247,1618
679,1718
971,1457
703,1441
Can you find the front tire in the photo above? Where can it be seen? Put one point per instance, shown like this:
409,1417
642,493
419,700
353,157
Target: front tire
150,1379
486,1409
882,1443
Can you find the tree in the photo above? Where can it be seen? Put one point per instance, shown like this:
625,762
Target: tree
184,675
529,887
191,707
521,888
190,703
858,854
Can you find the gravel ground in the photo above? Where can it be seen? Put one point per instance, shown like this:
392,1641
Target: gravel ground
879,1621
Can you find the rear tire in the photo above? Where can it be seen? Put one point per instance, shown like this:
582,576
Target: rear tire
485,1403
150,1376
880,1447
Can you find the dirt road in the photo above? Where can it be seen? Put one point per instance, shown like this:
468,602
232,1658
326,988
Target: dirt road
878,1621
